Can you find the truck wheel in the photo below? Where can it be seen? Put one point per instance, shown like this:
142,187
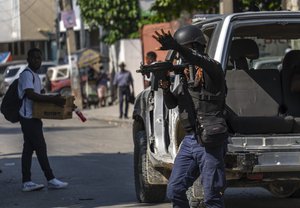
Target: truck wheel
296,194
195,195
145,192
282,190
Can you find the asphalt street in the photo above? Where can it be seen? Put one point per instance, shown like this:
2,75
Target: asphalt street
96,159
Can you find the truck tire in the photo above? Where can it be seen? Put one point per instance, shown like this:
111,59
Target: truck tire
296,194
282,190
145,192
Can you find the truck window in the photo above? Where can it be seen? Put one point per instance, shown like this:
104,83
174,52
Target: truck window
272,40
208,31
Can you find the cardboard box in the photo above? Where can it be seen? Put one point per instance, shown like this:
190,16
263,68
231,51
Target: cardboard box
52,111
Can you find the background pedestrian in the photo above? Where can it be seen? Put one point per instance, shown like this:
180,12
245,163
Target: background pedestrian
123,81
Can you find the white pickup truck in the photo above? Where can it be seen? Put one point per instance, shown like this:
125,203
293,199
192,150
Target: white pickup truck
262,109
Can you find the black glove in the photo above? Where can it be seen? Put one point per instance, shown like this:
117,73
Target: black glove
166,40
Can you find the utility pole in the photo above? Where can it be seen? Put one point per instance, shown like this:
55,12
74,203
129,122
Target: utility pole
82,34
292,5
71,47
57,28
226,6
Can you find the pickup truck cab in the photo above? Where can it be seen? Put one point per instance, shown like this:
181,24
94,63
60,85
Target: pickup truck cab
262,109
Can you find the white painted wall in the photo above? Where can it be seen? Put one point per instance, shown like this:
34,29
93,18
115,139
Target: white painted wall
10,21
131,54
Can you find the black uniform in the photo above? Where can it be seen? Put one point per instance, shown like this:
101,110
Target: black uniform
206,99
201,103
196,103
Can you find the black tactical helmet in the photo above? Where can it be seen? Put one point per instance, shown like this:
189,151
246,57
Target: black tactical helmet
189,34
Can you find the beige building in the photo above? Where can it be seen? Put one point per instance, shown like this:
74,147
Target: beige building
25,24
32,23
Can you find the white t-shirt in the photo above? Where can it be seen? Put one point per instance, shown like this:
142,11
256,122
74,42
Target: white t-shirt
26,81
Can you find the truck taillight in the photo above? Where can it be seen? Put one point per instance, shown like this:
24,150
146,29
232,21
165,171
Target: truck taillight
255,176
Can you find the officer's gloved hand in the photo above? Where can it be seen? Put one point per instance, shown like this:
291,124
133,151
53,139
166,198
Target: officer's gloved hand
166,40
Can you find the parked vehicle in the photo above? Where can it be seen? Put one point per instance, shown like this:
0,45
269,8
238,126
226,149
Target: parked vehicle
59,77
262,110
43,71
3,66
13,72
2,86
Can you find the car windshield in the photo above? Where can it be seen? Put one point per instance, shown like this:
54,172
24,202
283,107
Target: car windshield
62,73
11,72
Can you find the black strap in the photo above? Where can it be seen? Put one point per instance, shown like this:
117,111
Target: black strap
30,72
203,95
33,79
210,97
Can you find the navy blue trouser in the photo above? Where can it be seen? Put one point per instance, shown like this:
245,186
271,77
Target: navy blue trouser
124,92
34,141
194,159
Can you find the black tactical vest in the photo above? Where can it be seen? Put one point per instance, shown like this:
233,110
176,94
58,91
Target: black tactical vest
207,98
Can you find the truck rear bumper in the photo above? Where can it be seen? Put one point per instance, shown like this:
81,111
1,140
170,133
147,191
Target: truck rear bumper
256,153
277,162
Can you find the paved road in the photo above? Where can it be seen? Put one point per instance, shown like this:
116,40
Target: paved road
96,159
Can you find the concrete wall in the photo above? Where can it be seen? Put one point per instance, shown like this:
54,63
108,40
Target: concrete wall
23,20
37,19
10,21
130,53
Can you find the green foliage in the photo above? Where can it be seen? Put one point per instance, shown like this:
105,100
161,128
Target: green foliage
117,17
255,5
167,10
123,18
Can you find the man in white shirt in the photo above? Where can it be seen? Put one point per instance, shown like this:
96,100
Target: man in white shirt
29,89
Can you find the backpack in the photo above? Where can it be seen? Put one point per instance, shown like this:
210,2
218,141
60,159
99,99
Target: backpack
11,102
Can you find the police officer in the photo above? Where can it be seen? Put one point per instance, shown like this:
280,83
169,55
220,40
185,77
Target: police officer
200,95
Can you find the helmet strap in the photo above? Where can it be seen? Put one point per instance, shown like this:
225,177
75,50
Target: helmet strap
198,47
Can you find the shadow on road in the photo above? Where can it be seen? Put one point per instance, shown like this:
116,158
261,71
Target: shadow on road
17,130
256,197
95,180
103,180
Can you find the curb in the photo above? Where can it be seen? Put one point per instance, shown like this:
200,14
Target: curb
109,115
113,121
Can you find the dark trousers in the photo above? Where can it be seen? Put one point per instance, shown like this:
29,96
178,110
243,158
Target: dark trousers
34,141
194,159
124,94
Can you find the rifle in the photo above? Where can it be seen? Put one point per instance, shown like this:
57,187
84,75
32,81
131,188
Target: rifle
160,71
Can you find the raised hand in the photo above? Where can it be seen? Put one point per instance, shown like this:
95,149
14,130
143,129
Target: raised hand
166,40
